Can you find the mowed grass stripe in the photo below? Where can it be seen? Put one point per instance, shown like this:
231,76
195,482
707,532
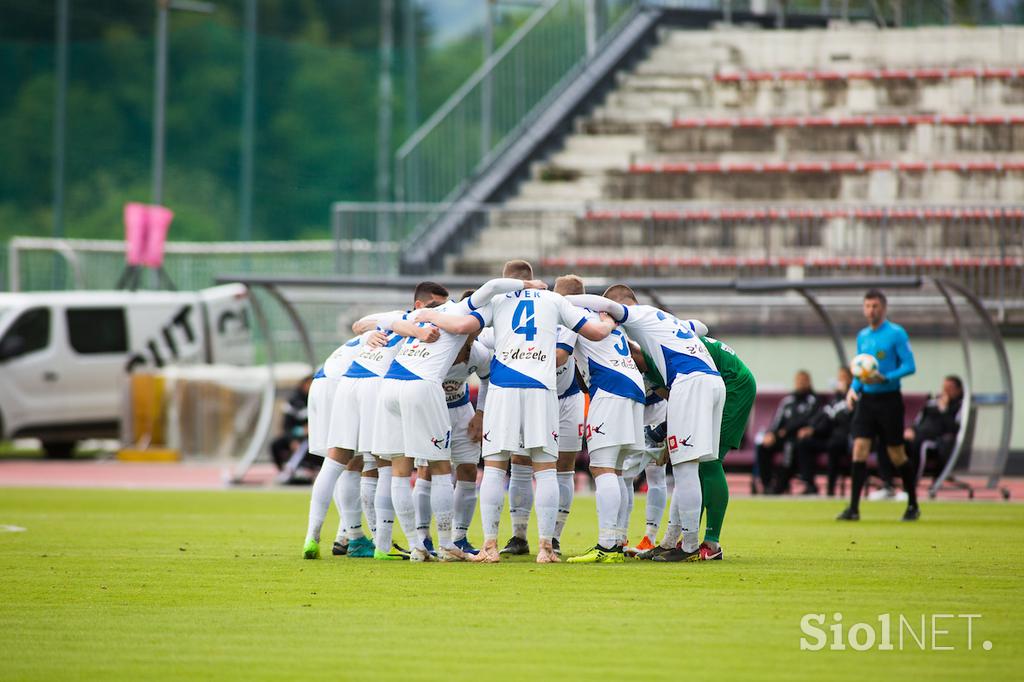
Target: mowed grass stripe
209,585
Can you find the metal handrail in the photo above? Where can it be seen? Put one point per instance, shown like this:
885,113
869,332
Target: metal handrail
477,76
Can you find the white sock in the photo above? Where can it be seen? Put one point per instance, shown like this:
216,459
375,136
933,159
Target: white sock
520,498
674,529
464,499
566,491
320,498
385,511
405,509
688,502
351,511
367,490
609,498
339,504
625,508
547,503
657,495
492,499
421,497
442,503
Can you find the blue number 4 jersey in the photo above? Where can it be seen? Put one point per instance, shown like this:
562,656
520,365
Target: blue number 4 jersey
525,332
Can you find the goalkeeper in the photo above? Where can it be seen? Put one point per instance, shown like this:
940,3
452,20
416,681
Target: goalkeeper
740,390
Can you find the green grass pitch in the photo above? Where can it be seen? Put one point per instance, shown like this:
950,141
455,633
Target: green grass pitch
210,585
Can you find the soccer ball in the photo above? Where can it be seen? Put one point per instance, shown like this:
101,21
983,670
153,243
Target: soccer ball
863,366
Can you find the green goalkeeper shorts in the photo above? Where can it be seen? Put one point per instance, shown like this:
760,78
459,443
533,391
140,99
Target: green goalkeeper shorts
739,399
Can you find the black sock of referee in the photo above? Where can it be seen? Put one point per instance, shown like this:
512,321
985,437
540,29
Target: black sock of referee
860,474
909,482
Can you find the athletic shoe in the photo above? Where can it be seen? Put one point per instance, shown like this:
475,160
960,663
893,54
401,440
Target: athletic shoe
391,556
913,513
488,554
678,554
398,548
451,554
421,555
598,555
339,549
466,547
311,550
516,546
848,514
556,546
708,553
361,548
429,544
546,555
887,494
644,545
649,554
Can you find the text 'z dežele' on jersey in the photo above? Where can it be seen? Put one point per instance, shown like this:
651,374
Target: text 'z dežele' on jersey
525,335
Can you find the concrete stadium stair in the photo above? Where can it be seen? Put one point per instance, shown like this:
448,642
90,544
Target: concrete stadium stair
816,118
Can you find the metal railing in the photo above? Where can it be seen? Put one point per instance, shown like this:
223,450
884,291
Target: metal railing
500,99
980,246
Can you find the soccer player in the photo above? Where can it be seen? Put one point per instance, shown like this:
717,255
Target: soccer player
473,358
350,431
879,404
614,429
412,420
522,404
321,400
695,403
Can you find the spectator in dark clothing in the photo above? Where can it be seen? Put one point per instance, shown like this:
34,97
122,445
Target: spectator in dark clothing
937,424
828,431
794,412
289,450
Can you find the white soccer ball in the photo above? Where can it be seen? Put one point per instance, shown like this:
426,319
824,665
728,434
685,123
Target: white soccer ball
863,366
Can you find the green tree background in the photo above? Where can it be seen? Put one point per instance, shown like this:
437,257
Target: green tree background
316,109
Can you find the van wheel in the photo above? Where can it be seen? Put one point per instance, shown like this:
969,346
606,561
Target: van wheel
59,449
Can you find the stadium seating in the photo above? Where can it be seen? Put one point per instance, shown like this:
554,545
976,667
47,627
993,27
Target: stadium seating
849,149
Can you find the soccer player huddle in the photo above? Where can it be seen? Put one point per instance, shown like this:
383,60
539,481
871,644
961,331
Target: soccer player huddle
395,398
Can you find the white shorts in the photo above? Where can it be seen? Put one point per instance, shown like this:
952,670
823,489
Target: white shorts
695,417
369,463
412,420
464,451
521,420
655,414
614,420
636,462
570,422
321,398
352,413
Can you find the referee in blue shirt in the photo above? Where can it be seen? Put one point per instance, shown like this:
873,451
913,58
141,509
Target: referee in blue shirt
879,404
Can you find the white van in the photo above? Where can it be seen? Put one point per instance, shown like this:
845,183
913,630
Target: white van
64,356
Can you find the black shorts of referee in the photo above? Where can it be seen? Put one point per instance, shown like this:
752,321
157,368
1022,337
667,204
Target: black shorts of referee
879,415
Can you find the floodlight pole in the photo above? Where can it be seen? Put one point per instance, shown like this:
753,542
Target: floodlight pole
60,116
248,123
160,85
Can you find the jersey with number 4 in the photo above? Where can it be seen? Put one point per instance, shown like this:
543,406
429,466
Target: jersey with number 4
670,342
607,366
525,333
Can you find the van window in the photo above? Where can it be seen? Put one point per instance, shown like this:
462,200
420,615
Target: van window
97,330
29,333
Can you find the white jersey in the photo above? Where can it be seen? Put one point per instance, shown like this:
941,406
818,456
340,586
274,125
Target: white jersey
525,332
607,366
429,361
486,337
565,376
338,362
670,342
374,362
456,393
